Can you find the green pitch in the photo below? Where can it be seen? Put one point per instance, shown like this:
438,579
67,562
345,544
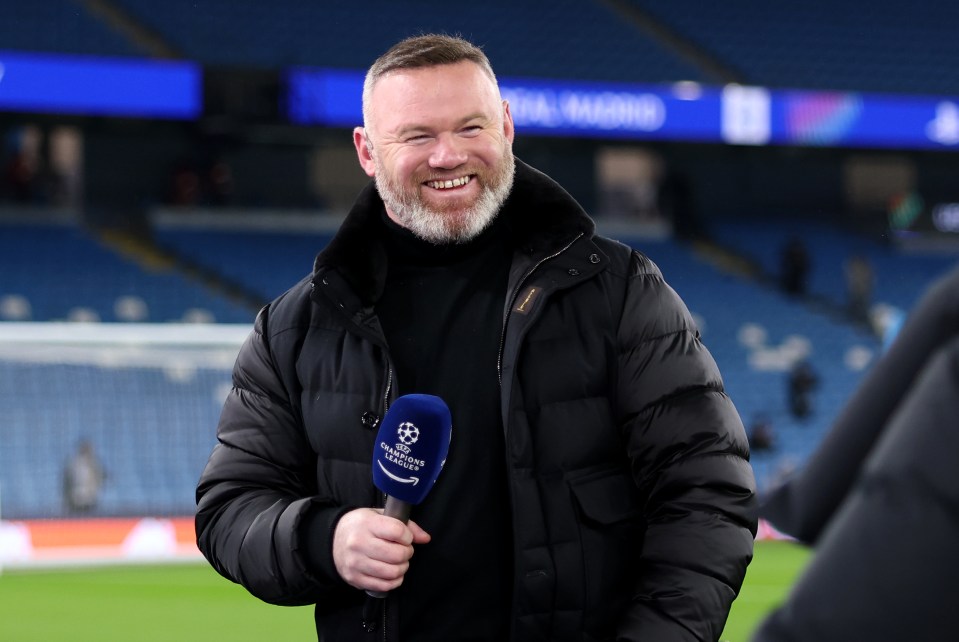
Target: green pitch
143,604
191,602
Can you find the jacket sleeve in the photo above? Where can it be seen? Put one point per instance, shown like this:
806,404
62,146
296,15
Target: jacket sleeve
257,492
690,460
805,504
884,567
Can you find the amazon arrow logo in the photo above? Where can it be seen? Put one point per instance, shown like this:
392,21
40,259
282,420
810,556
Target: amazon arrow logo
402,480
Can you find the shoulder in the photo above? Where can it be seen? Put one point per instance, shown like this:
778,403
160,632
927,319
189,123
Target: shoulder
288,312
627,262
651,306
277,329
637,276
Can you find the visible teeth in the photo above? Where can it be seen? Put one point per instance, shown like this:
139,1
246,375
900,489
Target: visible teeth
456,182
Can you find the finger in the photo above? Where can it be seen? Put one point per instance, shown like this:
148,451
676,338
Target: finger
420,536
371,583
388,552
367,571
392,530
382,571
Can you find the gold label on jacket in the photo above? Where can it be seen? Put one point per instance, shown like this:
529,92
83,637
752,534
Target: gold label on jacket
524,303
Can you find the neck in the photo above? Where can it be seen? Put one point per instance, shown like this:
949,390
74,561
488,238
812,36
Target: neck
405,246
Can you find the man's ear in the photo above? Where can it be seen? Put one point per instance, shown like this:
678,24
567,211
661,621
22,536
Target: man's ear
508,129
363,151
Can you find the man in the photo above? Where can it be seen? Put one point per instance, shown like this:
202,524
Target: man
597,485
83,478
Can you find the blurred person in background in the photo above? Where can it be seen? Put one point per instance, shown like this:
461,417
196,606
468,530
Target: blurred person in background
794,268
879,499
859,284
761,434
676,201
21,177
597,485
801,384
220,182
83,478
185,185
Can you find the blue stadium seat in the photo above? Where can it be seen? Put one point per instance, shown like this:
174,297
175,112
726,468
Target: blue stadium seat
883,46
152,432
60,26
899,278
58,268
266,262
559,39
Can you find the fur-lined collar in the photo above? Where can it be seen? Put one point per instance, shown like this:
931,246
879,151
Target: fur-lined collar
540,215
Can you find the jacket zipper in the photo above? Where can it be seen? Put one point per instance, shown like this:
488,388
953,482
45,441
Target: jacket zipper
389,386
386,406
502,340
512,300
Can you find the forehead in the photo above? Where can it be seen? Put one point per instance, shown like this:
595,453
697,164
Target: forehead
433,93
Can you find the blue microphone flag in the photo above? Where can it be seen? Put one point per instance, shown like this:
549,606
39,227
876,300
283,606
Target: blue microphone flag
411,447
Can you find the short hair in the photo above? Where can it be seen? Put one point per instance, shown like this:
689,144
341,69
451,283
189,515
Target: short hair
427,50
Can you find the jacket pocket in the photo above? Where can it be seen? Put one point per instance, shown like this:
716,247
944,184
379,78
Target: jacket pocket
611,531
605,497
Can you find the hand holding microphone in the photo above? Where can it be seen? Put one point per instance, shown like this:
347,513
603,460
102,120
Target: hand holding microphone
372,552
409,453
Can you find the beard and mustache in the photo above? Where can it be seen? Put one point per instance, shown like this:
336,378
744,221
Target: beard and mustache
453,223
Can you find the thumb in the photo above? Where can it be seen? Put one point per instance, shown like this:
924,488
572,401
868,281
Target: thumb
419,535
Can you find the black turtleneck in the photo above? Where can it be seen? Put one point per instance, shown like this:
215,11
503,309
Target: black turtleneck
441,312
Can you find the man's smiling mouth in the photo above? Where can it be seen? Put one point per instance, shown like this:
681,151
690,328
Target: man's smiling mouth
448,184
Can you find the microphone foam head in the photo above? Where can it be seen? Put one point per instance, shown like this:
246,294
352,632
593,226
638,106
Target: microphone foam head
411,446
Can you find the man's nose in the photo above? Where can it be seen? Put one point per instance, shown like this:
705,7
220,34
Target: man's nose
448,152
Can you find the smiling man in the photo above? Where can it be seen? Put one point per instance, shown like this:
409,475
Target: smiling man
597,485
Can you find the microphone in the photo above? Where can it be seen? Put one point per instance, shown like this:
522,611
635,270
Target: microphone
411,448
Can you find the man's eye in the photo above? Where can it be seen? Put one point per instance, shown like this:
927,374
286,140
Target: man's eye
472,130
418,138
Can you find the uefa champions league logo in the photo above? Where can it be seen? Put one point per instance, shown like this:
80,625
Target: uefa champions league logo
399,455
408,434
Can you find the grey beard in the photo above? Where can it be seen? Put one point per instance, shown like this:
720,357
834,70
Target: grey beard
433,226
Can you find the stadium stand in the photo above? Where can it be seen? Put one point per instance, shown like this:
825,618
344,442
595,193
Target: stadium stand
815,45
60,26
899,277
58,271
266,262
822,44
152,434
519,38
884,46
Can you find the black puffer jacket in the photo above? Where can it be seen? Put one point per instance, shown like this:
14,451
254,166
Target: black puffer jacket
632,496
880,497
